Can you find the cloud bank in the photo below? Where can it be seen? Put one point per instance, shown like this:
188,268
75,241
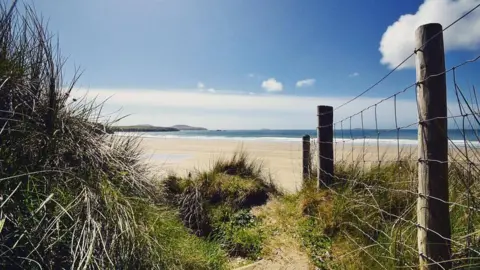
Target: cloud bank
398,41
241,111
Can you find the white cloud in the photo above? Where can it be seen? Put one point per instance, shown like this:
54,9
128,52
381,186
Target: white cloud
251,75
272,85
211,90
305,83
354,74
200,85
398,41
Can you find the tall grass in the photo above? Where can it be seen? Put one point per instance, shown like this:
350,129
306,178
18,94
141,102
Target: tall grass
73,196
367,220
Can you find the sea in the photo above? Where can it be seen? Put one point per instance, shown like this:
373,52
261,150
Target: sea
354,136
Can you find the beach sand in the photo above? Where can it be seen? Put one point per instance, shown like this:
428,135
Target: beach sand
282,159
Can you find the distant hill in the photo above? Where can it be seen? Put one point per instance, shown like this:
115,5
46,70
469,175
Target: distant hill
186,127
150,128
142,128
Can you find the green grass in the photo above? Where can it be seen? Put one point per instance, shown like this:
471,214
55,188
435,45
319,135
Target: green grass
367,221
238,233
173,245
72,196
216,204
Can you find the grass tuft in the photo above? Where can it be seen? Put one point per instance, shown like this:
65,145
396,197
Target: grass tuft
216,204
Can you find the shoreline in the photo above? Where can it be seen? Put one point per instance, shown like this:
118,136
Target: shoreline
282,160
369,142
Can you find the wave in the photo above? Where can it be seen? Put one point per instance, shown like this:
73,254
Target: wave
338,141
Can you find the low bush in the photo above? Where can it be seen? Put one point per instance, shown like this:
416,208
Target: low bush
238,233
216,204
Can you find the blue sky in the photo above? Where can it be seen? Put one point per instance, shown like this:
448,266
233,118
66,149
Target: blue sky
249,63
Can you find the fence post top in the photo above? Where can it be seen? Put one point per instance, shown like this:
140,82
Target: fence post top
306,136
323,109
431,26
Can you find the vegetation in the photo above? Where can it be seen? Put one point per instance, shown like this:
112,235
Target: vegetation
367,220
216,204
73,196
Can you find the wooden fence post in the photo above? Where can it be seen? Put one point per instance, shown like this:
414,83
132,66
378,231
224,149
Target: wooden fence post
306,157
433,216
325,145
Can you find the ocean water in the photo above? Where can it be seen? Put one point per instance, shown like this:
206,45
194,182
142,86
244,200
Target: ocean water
355,136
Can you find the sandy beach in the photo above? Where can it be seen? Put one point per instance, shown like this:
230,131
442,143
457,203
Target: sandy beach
282,159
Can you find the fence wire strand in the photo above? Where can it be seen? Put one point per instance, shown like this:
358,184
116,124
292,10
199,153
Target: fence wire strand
375,183
406,59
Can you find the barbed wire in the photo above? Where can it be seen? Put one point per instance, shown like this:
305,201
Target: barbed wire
393,215
406,59
411,86
382,190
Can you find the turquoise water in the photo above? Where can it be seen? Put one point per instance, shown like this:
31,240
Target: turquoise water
368,136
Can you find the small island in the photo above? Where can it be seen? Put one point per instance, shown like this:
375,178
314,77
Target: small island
142,128
187,127
150,128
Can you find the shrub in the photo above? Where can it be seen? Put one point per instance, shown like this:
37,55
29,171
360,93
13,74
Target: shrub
237,182
239,234
216,204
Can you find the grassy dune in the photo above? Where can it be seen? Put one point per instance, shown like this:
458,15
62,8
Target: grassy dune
216,204
72,196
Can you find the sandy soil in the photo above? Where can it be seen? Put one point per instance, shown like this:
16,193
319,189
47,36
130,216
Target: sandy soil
281,159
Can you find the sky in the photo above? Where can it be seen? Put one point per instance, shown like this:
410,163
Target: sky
251,64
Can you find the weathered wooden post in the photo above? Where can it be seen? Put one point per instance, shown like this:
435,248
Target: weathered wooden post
433,217
306,157
325,145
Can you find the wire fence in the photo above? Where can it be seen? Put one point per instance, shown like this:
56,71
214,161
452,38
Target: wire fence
398,204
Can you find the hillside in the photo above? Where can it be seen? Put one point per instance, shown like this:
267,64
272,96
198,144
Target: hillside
150,128
143,128
186,127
